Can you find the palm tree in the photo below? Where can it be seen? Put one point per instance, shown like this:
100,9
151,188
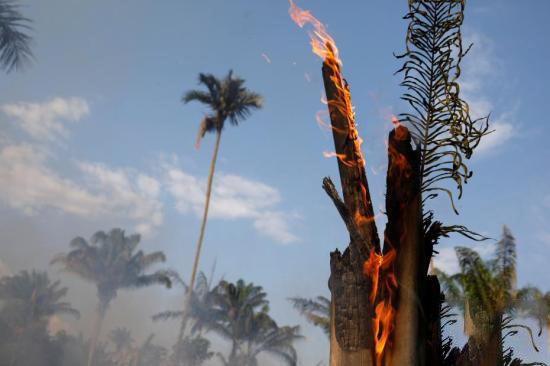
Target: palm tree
486,293
264,335
194,350
30,299
111,264
242,317
316,311
14,41
201,305
227,99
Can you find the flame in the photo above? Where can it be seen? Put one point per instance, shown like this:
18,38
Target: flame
384,311
384,316
323,45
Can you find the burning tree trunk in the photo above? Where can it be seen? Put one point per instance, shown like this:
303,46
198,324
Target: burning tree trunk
403,236
351,322
385,308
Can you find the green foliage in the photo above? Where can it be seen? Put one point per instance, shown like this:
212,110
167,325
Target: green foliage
227,99
488,287
14,40
316,311
439,119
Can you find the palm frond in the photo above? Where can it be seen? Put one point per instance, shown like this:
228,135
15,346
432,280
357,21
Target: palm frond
15,49
439,119
227,98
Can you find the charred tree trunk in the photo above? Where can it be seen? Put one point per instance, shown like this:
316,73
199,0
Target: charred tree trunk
351,340
403,235
414,333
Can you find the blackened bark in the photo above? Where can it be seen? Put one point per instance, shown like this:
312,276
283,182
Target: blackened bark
351,338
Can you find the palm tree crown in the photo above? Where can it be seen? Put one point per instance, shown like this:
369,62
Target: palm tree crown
111,264
30,298
227,99
14,42
242,316
110,261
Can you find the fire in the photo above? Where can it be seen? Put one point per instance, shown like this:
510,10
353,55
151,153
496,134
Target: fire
384,311
323,45
377,266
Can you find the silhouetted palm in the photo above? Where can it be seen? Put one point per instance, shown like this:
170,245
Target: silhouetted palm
201,306
111,263
242,317
29,299
14,41
316,311
192,351
227,99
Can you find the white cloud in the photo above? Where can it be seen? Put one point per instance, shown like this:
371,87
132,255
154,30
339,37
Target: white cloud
233,197
478,66
45,121
502,132
129,194
447,261
28,184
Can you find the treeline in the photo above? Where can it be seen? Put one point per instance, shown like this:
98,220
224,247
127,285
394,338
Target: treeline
237,312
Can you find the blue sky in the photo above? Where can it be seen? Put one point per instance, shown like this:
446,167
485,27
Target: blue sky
94,136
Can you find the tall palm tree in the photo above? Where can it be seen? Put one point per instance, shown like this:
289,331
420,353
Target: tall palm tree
111,263
486,293
227,99
316,311
14,41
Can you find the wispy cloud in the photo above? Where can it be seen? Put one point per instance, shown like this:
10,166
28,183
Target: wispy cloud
478,67
130,194
46,121
31,186
447,261
233,197
98,190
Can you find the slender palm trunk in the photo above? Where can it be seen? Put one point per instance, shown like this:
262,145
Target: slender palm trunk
201,236
102,307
